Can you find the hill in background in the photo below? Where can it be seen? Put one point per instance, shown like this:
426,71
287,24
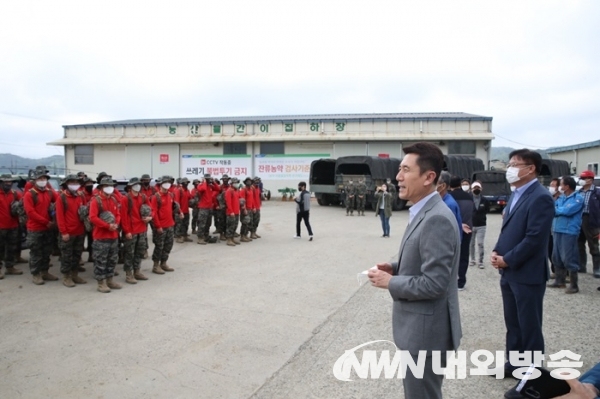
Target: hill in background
17,165
501,153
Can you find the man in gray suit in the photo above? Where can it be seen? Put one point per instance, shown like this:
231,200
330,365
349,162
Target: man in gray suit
423,281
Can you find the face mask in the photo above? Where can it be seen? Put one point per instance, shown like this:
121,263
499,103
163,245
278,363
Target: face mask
166,186
146,183
41,183
108,190
136,187
552,190
73,187
512,175
89,189
6,187
299,188
561,190
465,187
476,191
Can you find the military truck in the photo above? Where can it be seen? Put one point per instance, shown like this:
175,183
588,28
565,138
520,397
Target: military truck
462,166
552,168
322,182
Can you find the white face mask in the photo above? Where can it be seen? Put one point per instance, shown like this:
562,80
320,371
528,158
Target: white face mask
41,183
136,187
166,186
561,190
465,187
512,175
552,190
73,187
512,188
108,190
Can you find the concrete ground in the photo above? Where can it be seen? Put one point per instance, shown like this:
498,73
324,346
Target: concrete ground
266,319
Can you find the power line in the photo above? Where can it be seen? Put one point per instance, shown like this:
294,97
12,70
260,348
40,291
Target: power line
516,142
28,117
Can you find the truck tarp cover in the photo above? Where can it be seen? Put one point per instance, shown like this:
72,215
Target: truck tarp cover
322,171
378,168
462,166
493,182
555,168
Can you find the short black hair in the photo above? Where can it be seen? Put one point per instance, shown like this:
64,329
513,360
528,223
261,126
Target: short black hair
302,184
430,157
569,181
530,157
455,181
557,180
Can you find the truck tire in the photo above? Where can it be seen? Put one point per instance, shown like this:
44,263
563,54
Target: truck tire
323,201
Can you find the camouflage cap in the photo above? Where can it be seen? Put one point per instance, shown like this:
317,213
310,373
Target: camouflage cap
235,180
184,180
195,181
224,177
179,180
69,178
80,174
6,177
145,176
106,181
108,217
42,168
132,181
145,210
158,180
207,176
248,179
38,174
87,180
167,178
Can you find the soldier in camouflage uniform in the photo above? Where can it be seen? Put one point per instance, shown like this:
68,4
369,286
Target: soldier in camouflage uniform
232,204
9,225
207,191
71,230
194,206
350,190
220,212
182,195
105,215
257,206
163,224
361,197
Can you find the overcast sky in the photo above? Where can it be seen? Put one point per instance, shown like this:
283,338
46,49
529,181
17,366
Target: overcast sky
531,65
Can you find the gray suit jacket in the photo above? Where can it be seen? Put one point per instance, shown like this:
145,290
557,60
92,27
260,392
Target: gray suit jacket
424,286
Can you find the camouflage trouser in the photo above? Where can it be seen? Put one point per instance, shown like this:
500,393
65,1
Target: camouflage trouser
246,223
70,253
134,251
163,243
220,220
182,225
255,221
360,203
231,225
90,242
106,254
40,248
54,248
203,222
195,218
9,244
350,204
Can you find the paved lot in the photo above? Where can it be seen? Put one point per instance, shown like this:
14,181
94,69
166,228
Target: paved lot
266,319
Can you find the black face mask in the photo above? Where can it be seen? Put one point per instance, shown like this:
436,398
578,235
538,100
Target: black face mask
184,185
6,187
89,189
476,192
300,188
146,183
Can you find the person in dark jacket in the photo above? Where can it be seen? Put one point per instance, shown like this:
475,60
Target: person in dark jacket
384,208
467,207
482,208
303,210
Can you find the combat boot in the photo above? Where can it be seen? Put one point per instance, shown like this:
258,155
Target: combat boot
146,254
46,276
37,279
102,287
187,238
112,284
257,236
138,275
573,288
201,240
559,281
67,281
156,268
595,265
13,271
245,239
230,242
21,260
76,279
236,242
165,267
254,236
179,240
223,238
129,278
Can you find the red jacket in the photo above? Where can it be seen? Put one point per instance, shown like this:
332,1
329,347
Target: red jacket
38,214
147,191
117,194
257,199
248,195
232,200
7,221
207,194
183,196
68,219
86,197
101,228
131,219
162,210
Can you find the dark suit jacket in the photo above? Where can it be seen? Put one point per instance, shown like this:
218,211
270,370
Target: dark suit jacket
524,236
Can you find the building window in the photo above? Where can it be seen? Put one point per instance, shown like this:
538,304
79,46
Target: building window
461,148
272,148
84,154
234,148
593,167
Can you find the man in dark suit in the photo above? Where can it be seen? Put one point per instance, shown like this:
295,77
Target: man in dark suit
423,281
520,255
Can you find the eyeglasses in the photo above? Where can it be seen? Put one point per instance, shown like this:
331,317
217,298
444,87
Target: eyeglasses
515,165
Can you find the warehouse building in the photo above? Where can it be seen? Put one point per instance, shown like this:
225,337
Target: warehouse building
279,149
584,156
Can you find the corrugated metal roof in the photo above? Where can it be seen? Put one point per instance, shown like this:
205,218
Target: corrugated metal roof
319,117
573,147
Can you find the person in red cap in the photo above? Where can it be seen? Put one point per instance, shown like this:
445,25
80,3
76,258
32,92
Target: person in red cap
590,224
